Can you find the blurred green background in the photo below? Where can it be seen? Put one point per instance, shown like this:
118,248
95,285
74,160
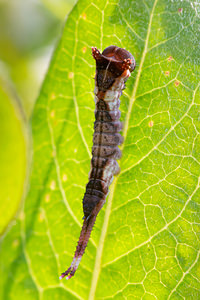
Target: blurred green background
29,30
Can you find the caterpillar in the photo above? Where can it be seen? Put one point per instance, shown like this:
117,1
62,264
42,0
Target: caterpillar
113,68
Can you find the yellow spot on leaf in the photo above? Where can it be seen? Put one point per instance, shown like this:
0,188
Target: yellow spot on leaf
170,58
47,198
84,16
41,217
53,185
84,49
52,114
71,75
177,82
64,178
151,123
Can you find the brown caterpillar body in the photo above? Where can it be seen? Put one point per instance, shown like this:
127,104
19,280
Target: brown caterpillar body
113,67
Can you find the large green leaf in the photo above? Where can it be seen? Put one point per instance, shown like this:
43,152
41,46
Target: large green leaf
145,244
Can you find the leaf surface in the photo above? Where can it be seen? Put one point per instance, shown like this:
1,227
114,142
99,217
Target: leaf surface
145,244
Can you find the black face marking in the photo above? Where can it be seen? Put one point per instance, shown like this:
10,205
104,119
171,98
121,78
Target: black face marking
105,79
113,67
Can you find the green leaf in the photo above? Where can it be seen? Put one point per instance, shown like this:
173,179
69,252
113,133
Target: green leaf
13,158
145,244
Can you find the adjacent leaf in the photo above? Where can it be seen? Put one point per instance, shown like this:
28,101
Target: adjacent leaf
145,244
13,158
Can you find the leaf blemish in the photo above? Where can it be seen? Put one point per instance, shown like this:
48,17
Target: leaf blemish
177,82
167,73
151,123
52,185
47,198
170,58
71,75
52,114
84,49
84,16
64,178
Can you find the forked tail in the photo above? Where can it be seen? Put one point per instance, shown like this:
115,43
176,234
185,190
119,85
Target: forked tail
88,224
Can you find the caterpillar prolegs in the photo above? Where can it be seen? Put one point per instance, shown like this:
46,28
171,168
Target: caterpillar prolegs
113,68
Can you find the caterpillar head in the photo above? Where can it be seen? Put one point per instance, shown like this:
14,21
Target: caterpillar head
120,58
111,64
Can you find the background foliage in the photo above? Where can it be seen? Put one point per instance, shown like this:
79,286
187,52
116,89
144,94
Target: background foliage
13,156
145,244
